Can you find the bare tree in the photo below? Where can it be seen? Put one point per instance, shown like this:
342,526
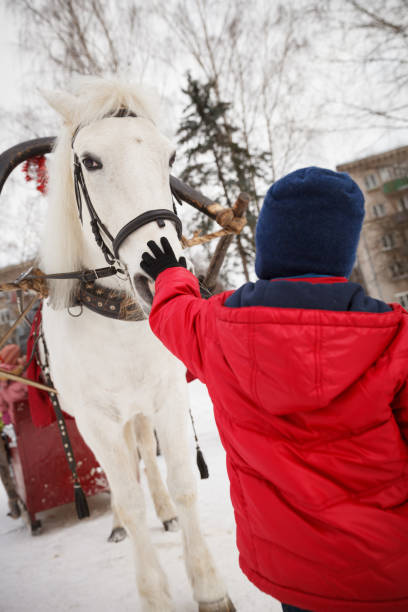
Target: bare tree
365,60
250,53
384,27
84,36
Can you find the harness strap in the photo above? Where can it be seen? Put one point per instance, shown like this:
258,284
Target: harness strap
35,280
109,302
85,276
81,504
96,223
159,215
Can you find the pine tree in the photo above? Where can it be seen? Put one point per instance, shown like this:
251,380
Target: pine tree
217,156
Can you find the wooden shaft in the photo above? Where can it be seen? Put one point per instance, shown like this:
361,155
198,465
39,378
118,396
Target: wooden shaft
210,279
17,321
4,374
14,156
241,204
239,209
195,198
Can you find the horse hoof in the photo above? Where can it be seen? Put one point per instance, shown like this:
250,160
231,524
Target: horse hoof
36,527
221,605
14,508
117,534
171,524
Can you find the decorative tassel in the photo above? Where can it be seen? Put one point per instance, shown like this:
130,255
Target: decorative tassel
202,466
81,505
35,169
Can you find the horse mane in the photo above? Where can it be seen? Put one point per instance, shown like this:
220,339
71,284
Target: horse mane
62,242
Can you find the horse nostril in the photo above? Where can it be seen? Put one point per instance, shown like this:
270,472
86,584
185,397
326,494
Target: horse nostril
141,283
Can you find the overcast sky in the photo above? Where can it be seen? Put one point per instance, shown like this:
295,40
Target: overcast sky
327,150
10,65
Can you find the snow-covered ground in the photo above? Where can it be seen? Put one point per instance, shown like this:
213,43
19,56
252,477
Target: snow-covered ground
71,566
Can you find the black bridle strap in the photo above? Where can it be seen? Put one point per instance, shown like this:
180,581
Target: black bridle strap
159,215
92,211
86,276
96,223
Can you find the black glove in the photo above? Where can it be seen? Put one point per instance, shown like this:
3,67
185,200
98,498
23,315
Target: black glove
161,260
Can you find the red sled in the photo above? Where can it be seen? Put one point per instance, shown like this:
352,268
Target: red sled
43,478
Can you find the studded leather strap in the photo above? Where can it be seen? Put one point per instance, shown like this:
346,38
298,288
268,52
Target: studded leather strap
109,302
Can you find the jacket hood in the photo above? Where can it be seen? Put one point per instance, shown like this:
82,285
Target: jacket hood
295,359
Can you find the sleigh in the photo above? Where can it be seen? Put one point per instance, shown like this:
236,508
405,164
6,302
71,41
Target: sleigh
42,477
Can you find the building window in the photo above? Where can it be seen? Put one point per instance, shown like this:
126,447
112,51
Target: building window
402,203
370,181
403,299
4,316
400,171
388,242
386,174
378,210
398,269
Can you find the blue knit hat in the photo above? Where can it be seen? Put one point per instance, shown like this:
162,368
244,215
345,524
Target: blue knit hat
310,222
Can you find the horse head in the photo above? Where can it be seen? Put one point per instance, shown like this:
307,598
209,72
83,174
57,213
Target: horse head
118,164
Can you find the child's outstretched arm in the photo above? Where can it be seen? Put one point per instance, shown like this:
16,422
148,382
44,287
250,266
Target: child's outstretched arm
178,315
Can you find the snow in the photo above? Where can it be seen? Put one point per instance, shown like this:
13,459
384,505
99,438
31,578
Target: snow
71,566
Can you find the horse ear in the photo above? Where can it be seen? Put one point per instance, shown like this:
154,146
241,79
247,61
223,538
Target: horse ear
63,102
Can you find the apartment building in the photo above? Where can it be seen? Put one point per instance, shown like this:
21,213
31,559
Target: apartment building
382,258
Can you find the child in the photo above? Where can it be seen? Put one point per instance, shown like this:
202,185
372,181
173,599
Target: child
307,375
10,392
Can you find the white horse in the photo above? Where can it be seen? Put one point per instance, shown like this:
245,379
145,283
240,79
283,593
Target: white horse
108,371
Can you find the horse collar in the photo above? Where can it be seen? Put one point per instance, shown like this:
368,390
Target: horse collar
109,302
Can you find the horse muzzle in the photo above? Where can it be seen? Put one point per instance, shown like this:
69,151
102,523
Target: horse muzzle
142,285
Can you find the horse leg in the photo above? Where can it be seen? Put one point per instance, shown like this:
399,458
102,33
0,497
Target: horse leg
112,445
118,532
147,445
208,587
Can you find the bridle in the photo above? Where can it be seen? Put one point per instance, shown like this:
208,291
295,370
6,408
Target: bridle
111,252
99,229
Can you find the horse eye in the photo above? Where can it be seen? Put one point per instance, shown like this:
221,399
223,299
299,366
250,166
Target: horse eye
92,164
172,159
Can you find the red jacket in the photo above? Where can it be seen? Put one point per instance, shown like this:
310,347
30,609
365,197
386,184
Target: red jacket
312,409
